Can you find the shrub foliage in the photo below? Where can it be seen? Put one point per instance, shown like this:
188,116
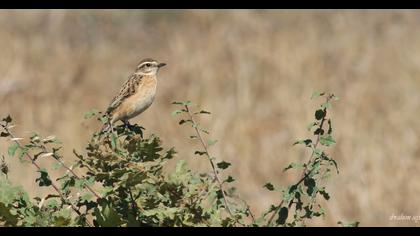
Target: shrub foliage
124,182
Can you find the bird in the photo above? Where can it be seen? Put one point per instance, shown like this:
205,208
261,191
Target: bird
136,94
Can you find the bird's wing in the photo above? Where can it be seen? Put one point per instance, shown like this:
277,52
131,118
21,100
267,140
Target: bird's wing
128,89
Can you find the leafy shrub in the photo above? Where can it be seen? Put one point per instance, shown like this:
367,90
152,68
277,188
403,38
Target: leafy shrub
124,183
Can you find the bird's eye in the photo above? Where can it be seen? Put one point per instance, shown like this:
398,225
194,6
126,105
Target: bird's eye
148,64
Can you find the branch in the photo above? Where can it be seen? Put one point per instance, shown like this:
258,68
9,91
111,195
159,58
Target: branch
52,184
305,174
210,160
315,145
57,158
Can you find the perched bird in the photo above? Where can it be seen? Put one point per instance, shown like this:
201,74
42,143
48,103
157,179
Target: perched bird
136,94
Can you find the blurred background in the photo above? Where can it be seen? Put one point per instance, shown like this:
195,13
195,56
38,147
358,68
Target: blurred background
255,70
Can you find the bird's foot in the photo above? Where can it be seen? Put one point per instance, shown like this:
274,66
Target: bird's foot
133,128
127,125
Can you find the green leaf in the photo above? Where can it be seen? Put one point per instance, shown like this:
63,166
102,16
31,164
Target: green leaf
6,215
187,103
104,119
44,179
204,112
177,103
292,189
211,142
329,126
61,221
319,131
308,211
269,186
318,152
66,182
52,196
321,212
283,213
86,197
35,138
204,131
107,190
37,155
316,94
307,142
326,105
52,203
229,179
8,119
315,168
90,181
324,194
294,165
319,114
56,165
79,183
184,121
181,167
223,165
114,141
108,217
351,224
91,113
12,149
23,151
310,184
176,112
199,153
311,125
327,140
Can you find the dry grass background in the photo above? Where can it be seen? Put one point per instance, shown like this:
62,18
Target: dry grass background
255,71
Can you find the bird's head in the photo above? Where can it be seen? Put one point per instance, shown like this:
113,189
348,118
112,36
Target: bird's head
148,66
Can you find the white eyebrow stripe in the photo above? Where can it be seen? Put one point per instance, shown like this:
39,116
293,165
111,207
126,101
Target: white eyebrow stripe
152,62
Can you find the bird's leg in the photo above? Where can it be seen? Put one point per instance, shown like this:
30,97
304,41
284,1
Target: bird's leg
127,124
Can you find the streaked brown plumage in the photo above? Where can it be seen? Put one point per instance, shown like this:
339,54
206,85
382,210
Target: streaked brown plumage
136,94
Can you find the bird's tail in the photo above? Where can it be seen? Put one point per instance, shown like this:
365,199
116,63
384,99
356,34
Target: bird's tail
107,126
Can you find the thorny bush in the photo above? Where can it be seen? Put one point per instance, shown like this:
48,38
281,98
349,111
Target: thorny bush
124,183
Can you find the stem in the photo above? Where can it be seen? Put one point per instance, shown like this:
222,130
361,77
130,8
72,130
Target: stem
52,184
274,213
304,174
57,158
210,160
316,142
133,202
248,208
281,203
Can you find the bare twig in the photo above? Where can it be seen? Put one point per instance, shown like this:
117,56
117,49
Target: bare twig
248,208
270,220
57,158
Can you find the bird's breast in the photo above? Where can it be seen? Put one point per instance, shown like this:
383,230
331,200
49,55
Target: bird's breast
144,97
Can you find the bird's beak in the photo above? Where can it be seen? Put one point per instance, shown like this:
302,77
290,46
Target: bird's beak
161,64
